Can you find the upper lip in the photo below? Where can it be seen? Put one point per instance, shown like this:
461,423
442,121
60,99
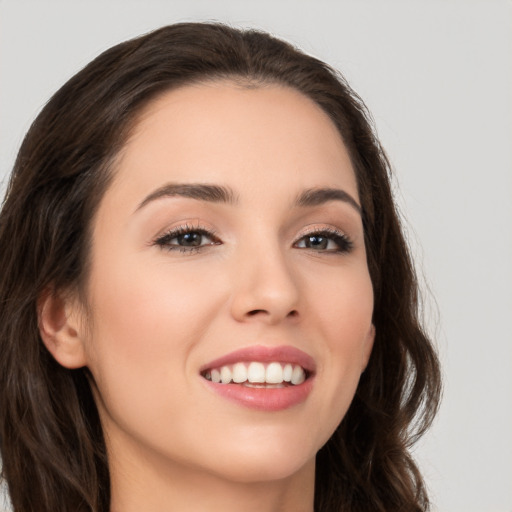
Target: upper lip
264,354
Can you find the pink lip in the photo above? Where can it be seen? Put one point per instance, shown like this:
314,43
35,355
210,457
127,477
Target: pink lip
282,354
264,399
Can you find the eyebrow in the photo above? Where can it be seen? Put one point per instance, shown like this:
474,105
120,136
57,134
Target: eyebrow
220,194
199,191
319,196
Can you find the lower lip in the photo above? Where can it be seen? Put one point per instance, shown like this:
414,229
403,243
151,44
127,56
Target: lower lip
263,399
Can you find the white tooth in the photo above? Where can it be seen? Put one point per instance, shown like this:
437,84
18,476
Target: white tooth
287,372
274,373
225,375
215,375
239,373
298,376
256,372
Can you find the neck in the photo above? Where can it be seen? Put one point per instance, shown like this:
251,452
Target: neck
153,486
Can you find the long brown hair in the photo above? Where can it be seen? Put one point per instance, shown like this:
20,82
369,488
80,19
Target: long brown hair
54,456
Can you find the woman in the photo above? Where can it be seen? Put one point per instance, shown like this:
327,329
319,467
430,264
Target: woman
207,300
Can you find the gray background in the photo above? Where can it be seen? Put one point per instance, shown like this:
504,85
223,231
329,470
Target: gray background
437,76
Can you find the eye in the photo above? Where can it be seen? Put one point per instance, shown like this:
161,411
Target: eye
187,239
331,241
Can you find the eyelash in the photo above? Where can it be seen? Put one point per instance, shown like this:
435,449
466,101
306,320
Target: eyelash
343,242
164,240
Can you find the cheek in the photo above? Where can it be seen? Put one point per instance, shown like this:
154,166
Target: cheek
147,320
343,309
344,320
141,306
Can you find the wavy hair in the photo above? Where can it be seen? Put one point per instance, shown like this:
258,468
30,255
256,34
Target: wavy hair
52,445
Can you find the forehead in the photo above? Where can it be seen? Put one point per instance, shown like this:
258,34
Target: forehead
243,137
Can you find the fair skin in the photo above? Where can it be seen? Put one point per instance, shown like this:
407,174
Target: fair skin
251,268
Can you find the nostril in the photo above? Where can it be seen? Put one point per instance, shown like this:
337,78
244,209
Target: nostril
292,314
256,312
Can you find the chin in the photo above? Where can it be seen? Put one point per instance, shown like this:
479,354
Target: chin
263,462
268,470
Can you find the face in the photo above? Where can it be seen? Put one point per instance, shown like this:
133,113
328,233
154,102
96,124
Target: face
230,300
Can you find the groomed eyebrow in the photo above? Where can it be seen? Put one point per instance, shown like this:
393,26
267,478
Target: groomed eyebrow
199,191
319,196
220,194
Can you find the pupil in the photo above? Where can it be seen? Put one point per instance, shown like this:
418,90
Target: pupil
317,242
190,239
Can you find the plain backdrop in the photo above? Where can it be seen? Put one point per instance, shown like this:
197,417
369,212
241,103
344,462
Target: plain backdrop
437,76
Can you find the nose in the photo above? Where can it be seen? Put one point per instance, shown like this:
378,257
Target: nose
265,288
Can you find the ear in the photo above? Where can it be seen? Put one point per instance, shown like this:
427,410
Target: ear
367,347
59,325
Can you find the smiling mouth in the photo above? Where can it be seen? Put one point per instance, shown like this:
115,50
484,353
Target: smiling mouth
256,374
